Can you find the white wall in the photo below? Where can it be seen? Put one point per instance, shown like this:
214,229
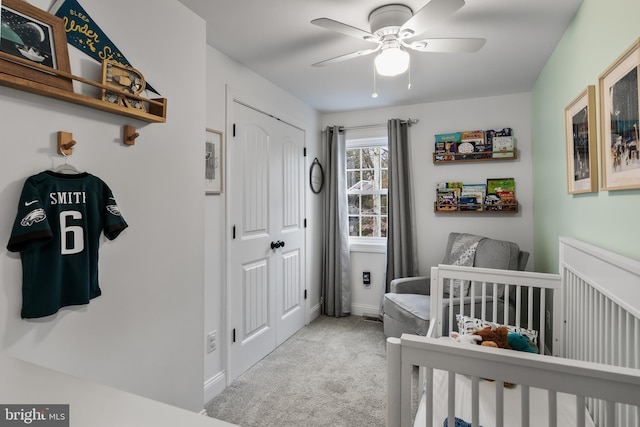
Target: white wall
442,117
225,75
144,334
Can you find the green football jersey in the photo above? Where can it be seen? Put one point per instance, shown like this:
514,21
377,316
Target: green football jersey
57,232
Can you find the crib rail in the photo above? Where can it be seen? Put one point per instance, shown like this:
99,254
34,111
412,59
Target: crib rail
529,295
601,293
581,379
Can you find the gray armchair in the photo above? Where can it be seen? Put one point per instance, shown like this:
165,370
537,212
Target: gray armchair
406,308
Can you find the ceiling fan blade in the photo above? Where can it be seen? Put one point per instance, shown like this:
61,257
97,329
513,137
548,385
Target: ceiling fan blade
447,45
340,27
346,57
432,13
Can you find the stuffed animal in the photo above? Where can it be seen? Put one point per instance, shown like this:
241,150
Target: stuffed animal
521,343
465,338
494,336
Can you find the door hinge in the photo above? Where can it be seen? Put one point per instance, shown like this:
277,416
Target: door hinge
234,334
233,232
304,151
305,294
234,130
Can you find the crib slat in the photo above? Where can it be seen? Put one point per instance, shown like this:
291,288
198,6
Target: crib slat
530,309
553,408
429,397
452,399
524,405
475,401
580,405
499,404
542,327
610,414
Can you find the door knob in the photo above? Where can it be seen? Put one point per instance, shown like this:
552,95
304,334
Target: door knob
276,245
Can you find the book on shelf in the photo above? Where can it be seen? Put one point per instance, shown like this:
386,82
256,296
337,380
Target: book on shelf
507,200
476,192
447,145
447,199
503,146
489,135
469,140
448,195
501,194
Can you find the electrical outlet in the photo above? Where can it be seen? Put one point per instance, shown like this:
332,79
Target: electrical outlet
211,342
366,278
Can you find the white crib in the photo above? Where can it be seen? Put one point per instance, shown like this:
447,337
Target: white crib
588,374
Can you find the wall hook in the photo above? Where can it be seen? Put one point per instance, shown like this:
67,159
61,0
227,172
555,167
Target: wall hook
65,143
130,135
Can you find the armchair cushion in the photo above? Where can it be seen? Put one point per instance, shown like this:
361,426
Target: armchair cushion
411,311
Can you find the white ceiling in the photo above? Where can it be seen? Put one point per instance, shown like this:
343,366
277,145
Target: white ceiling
275,39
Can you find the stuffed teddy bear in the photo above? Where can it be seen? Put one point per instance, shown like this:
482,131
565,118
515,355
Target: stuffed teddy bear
494,336
521,343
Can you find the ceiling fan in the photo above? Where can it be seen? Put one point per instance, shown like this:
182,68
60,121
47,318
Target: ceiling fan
393,27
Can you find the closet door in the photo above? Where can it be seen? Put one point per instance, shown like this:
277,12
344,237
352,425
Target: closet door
266,251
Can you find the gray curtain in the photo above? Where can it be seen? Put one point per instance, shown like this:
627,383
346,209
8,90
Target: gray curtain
336,289
401,234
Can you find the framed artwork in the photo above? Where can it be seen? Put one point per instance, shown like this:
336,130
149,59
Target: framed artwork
582,162
213,162
619,121
33,36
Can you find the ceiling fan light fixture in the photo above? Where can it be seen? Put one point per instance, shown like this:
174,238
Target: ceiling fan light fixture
392,61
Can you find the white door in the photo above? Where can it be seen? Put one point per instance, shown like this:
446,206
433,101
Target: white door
266,251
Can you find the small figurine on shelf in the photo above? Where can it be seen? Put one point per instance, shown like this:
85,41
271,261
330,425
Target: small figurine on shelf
123,78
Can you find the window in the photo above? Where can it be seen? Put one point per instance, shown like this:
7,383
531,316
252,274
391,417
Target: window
367,179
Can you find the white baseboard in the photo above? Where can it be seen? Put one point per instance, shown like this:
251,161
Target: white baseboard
214,386
314,312
361,309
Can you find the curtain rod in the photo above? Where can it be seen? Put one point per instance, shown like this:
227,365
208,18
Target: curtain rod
408,121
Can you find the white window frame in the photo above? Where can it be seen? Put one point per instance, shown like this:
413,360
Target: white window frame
368,244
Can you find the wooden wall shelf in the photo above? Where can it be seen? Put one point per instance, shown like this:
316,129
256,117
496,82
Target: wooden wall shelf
464,157
157,111
509,208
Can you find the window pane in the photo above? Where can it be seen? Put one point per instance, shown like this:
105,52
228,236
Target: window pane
383,225
369,226
384,157
368,180
353,158
385,179
369,157
369,205
354,226
353,180
354,204
383,204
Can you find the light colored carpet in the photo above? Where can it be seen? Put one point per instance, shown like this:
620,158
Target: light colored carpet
330,373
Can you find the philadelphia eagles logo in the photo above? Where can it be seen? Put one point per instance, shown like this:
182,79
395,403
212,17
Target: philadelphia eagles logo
36,215
114,210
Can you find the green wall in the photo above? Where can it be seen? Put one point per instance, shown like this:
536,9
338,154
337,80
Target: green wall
600,32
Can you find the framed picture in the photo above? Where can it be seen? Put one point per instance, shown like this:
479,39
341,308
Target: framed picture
213,162
582,162
619,121
37,37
